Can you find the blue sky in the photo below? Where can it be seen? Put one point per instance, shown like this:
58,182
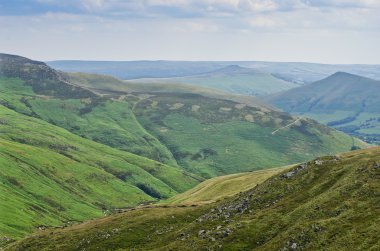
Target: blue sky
326,31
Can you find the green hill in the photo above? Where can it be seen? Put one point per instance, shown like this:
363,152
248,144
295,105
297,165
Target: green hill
331,203
232,79
348,102
48,175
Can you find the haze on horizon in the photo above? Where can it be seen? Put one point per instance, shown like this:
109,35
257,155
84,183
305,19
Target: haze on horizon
323,31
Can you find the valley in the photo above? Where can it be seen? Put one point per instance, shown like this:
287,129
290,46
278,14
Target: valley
77,147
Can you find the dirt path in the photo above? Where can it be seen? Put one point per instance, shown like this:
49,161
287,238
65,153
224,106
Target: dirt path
289,125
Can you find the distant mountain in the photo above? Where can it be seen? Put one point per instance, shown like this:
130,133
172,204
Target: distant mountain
232,79
331,203
292,72
348,102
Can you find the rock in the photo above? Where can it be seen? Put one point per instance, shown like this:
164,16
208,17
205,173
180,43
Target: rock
318,162
293,246
218,227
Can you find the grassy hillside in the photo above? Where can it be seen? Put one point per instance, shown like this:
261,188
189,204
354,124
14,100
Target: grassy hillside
51,176
212,137
232,79
101,119
217,188
328,204
348,102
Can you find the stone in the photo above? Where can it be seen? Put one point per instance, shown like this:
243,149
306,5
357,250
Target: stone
294,246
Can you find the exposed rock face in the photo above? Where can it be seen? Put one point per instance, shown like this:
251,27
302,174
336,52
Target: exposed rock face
43,79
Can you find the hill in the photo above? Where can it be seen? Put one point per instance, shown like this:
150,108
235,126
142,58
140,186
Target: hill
231,79
212,137
48,175
348,102
331,203
295,72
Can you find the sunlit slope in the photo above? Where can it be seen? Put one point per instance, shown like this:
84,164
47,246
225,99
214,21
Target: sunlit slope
217,188
332,203
50,175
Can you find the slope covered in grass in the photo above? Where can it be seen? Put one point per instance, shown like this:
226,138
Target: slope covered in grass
332,203
53,175
97,118
217,188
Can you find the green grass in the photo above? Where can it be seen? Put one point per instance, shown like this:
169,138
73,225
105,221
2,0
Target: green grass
55,176
329,206
217,188
107,121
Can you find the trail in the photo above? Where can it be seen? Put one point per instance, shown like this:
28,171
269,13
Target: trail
289,125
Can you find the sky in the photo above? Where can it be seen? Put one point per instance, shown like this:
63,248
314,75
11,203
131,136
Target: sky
323,31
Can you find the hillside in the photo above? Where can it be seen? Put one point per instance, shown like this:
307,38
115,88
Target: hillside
220,187
212,137
49,176
328,204
347,102
231,79
94,117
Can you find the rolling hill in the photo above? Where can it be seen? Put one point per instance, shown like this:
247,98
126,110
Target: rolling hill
347,102
231,79
331,203
295,72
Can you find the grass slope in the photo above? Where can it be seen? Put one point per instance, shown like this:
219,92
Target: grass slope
53,175
348,102
101,119
329,204
232,79
217,188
